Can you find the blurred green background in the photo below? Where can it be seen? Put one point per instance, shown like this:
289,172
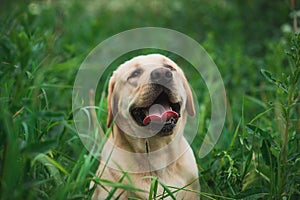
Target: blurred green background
253,43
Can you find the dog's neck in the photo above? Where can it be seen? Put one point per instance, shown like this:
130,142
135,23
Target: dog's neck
133,154
142,145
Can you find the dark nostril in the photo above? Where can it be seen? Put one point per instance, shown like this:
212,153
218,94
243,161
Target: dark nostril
169,74
155,75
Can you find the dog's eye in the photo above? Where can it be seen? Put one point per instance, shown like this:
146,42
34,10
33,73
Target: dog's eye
169,67
135,73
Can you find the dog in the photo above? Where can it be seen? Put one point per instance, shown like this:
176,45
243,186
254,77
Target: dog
149,100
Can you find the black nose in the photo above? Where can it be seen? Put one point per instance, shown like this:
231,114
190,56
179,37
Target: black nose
161,75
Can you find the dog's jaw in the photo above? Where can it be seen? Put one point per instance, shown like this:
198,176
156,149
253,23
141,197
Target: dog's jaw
157,109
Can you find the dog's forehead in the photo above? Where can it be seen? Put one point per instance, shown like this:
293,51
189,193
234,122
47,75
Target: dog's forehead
147,61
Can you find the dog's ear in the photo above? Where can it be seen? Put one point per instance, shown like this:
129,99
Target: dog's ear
111,87
190,107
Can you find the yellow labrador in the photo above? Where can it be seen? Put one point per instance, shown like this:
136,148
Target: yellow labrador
148,99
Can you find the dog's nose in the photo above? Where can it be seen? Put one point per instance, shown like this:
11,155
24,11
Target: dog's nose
161,75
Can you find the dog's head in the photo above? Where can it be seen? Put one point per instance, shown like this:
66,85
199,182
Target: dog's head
149,94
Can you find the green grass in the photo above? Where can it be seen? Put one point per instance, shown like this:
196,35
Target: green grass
42,44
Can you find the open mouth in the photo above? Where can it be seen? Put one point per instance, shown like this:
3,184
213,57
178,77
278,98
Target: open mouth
161,112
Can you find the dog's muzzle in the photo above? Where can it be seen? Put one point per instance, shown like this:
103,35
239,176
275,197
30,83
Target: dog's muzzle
158,107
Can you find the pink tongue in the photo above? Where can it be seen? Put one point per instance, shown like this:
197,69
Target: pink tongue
160,114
